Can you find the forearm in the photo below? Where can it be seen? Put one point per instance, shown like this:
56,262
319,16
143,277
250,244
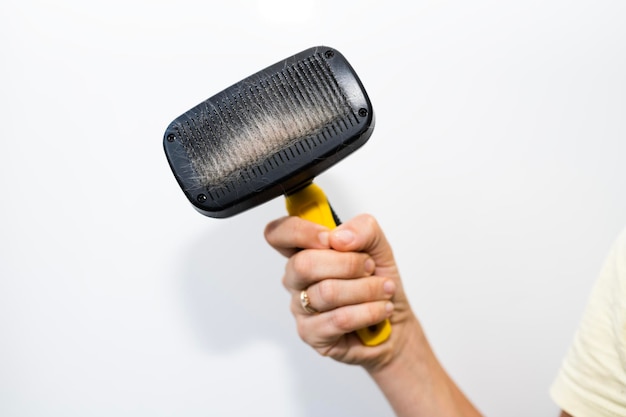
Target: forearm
415,383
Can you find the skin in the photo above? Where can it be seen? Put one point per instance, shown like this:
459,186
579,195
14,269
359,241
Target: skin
352,280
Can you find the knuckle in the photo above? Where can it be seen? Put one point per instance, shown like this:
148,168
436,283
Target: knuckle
274,229
341,320
295,308
372,313
326,292
285,282
267,232
354,264
369,221
374,288
301,330
301,263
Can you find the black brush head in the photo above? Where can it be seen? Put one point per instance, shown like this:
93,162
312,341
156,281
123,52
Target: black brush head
269,134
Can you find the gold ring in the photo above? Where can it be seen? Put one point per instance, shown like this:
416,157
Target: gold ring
306,303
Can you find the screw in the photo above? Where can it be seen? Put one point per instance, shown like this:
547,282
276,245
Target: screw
171,137
362,112
201,198
329,54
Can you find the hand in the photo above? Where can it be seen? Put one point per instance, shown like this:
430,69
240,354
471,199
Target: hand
350,276
351,279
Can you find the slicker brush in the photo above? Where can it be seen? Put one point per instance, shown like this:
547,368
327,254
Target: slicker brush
271,134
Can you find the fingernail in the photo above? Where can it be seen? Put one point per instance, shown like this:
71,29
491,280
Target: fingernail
389,287
370,266
323,238
343,236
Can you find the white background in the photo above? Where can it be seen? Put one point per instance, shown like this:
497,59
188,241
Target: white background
496,168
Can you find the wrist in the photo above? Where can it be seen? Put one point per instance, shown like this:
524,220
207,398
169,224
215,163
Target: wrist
413,380
410,365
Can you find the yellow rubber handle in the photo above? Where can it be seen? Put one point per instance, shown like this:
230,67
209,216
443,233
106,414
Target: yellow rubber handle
310,203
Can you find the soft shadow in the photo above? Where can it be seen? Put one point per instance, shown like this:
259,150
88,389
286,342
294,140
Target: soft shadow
234,276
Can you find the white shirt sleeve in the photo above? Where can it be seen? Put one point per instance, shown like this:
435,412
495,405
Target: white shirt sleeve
592,378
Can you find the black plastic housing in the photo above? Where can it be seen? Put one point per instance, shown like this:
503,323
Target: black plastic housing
285,170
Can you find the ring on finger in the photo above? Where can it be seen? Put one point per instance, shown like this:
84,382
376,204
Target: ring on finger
306,303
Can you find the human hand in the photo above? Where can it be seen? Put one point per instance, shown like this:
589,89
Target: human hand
351,280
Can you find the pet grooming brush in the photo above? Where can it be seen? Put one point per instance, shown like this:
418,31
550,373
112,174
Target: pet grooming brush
271,134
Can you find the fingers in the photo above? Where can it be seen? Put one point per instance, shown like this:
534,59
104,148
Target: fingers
343,306
360,234
289,234
331,294
307,267
323,330
350,282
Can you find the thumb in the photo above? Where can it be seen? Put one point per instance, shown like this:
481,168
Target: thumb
363,234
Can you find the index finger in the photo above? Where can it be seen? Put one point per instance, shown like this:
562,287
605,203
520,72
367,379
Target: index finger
290,234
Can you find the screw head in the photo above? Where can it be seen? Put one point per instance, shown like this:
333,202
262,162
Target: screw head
329,54
171,137
201,198
363,112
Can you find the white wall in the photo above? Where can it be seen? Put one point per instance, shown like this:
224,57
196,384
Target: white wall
496,168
